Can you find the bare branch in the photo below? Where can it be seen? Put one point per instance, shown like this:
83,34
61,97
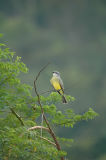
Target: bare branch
46,121
41,71
38,127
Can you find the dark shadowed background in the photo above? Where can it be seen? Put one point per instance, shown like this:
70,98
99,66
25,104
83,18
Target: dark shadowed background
71,35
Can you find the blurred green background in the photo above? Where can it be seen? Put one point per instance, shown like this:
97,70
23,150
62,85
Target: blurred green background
71,35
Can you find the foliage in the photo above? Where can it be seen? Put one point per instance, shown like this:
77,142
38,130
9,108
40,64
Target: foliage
19,111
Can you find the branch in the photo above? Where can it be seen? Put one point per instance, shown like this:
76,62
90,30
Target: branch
17,115
47,91
38,127
47,140
41,71
52,90
46,121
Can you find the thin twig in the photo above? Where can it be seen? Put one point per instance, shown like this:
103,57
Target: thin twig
47,140
41,71
47,123
17,115
52,90
47,91
41,125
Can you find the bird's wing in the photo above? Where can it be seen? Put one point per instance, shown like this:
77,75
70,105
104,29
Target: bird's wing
61,84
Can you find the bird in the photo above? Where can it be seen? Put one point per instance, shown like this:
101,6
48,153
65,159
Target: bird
57,84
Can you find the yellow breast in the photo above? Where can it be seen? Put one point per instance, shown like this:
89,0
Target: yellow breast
55,82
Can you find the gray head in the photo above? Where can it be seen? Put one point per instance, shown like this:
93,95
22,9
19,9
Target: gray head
56,73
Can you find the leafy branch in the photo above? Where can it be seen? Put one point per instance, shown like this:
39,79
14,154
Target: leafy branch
16,114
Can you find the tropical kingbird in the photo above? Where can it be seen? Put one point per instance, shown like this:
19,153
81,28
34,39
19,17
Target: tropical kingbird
57,83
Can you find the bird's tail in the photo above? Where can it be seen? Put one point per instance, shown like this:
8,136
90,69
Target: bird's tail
64,99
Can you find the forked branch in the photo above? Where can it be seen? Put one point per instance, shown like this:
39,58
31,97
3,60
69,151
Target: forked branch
45,119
